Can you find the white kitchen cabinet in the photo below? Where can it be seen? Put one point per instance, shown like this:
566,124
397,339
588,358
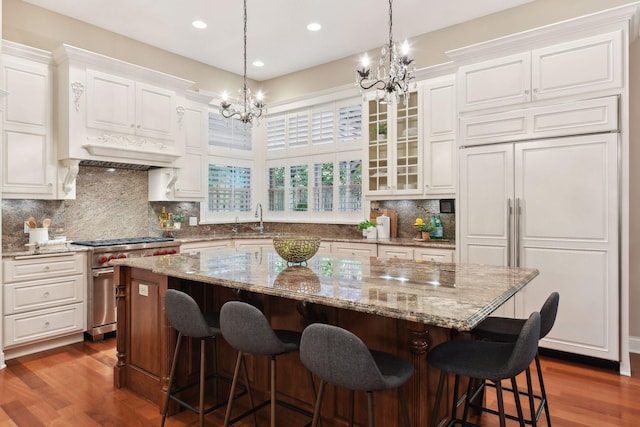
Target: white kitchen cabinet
187,180
400,252
576,67
205,245
257,242
43,302
113,111
393,149
550,204
354,249
29,167
433,254
122,105
440,148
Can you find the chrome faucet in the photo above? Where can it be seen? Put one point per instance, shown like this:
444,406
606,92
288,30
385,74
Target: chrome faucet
234,229
260,228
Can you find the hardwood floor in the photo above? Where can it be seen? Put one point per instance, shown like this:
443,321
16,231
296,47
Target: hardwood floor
72,386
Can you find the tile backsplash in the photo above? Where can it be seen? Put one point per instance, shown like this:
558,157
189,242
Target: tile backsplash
115,205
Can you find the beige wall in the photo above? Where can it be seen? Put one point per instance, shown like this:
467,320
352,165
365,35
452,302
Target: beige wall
30,25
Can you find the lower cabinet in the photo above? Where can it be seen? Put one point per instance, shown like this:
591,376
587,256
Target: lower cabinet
354,249
44,302
416,253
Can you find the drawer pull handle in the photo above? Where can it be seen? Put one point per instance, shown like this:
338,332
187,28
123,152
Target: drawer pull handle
46,267
46,295
46,325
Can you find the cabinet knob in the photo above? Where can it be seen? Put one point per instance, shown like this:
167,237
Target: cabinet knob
133,125
45,295
526,92
46,325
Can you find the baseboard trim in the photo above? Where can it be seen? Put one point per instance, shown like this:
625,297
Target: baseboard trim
634,345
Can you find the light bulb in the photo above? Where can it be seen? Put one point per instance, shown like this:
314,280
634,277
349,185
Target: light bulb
225,96
405,48
365,61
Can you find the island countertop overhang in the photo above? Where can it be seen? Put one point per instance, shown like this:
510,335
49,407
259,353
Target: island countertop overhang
457,296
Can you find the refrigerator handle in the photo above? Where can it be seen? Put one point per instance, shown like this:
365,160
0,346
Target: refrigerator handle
517,232
509,212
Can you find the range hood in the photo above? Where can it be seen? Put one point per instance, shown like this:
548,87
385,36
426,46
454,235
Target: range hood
115,165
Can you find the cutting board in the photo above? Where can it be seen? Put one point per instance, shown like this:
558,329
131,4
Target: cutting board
393,219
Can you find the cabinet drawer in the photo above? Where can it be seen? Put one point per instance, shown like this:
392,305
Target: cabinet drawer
42,267
400,252
188,248
437,255
24,296
355,249
37,325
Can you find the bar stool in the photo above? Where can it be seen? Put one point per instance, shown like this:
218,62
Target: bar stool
339,357
504,329
185,317
247,330
485,360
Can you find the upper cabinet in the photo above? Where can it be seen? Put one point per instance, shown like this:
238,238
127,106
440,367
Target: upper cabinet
28,155
122,105
576,67
392,147
440,123
113,111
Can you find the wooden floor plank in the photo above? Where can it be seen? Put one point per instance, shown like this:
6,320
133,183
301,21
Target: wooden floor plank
73,386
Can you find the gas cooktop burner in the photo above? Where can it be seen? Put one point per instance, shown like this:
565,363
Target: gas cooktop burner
122,242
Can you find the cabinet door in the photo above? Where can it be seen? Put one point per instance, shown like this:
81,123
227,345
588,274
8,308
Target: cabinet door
29,165
110,103
568,200
190,182
407,151
580,66
440,136
378,153
156,115
354,249
434,255
495,83
486,203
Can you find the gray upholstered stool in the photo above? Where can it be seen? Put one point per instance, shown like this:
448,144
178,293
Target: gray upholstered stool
504,329
247,330
186,318
339,357
485,360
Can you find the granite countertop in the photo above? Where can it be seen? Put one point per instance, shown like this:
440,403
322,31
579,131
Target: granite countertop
448,295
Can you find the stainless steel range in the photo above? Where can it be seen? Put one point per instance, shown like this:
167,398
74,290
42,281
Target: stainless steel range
101,302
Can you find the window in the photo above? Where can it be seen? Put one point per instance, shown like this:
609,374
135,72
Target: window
322,126
275,133
299,188
229,189
276,189
350,122
350,187
228,133
323,187
298,134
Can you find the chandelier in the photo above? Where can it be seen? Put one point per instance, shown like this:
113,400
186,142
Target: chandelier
252,107
394,80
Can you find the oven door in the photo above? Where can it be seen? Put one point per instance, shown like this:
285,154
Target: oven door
104,307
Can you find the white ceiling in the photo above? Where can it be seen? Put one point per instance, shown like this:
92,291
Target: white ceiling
277,32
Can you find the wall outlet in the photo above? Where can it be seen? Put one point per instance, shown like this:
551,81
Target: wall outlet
143,290
193,220
26,228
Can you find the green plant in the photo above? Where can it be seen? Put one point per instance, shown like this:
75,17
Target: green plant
382,128
425,227
366,224
178,217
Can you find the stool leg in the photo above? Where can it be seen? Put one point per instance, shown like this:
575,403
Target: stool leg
532,404
215,369
370,405
316,411
273,391
454,401
503,422
246,382
232,392
516,394
543,392
171,375
202,381
436,406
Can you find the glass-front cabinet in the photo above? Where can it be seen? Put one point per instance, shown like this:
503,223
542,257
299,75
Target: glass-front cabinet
394,154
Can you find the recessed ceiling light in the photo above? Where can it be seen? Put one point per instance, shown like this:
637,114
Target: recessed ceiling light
314,26
258,63
201,25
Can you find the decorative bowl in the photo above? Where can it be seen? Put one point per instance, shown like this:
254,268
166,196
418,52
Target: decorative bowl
298,278
296,249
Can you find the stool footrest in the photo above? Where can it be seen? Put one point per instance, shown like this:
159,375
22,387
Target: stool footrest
267,402
484,384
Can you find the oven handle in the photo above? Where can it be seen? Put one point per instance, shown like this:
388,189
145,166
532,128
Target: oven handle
102,271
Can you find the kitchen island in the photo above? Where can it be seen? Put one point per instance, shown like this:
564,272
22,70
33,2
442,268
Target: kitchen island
399,306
